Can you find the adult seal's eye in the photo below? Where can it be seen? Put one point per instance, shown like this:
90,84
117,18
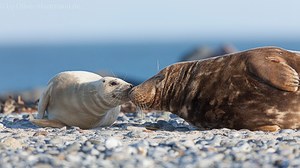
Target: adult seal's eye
159,77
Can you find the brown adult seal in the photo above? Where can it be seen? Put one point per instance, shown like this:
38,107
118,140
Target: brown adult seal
255,89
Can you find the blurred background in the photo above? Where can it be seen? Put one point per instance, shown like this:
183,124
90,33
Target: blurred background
131,39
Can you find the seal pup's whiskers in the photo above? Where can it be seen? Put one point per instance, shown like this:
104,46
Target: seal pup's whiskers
114,75
125,76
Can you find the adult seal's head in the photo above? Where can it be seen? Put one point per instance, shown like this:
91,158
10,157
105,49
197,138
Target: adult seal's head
162,91
255,89
148,94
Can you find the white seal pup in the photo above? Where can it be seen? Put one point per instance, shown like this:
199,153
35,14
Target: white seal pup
82,99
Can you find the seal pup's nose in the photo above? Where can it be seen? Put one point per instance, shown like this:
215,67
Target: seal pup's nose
131,89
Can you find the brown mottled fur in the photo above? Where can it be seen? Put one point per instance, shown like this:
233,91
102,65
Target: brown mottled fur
255,89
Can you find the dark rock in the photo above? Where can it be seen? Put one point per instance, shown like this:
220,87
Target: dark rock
207,52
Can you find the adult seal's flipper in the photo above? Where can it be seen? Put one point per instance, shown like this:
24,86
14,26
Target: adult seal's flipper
275,71
267,128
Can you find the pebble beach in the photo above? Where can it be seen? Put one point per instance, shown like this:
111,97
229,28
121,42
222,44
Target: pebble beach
143,140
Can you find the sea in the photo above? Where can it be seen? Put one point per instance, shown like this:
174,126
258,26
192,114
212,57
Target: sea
28,66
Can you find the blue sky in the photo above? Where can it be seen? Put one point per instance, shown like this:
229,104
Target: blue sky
136,21
111,20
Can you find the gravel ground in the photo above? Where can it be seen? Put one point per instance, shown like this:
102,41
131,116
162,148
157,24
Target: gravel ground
152,140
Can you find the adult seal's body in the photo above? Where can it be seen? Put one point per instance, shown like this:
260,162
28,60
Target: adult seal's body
83,99
255,89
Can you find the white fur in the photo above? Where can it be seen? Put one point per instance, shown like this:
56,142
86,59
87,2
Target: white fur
83,99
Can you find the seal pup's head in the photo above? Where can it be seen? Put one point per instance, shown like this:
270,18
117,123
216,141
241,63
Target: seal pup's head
114,90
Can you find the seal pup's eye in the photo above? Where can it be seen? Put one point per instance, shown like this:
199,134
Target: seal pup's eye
103,81
113,83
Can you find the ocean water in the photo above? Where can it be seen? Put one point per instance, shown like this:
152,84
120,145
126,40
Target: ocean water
28,66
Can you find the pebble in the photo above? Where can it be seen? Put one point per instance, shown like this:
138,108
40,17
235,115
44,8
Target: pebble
95,152
111,143
1,126
95,141
142,147
12,143
188,143
73,147
135,134
75,159
216,140
242,146
149,141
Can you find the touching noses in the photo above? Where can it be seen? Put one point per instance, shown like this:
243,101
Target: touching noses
131,88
